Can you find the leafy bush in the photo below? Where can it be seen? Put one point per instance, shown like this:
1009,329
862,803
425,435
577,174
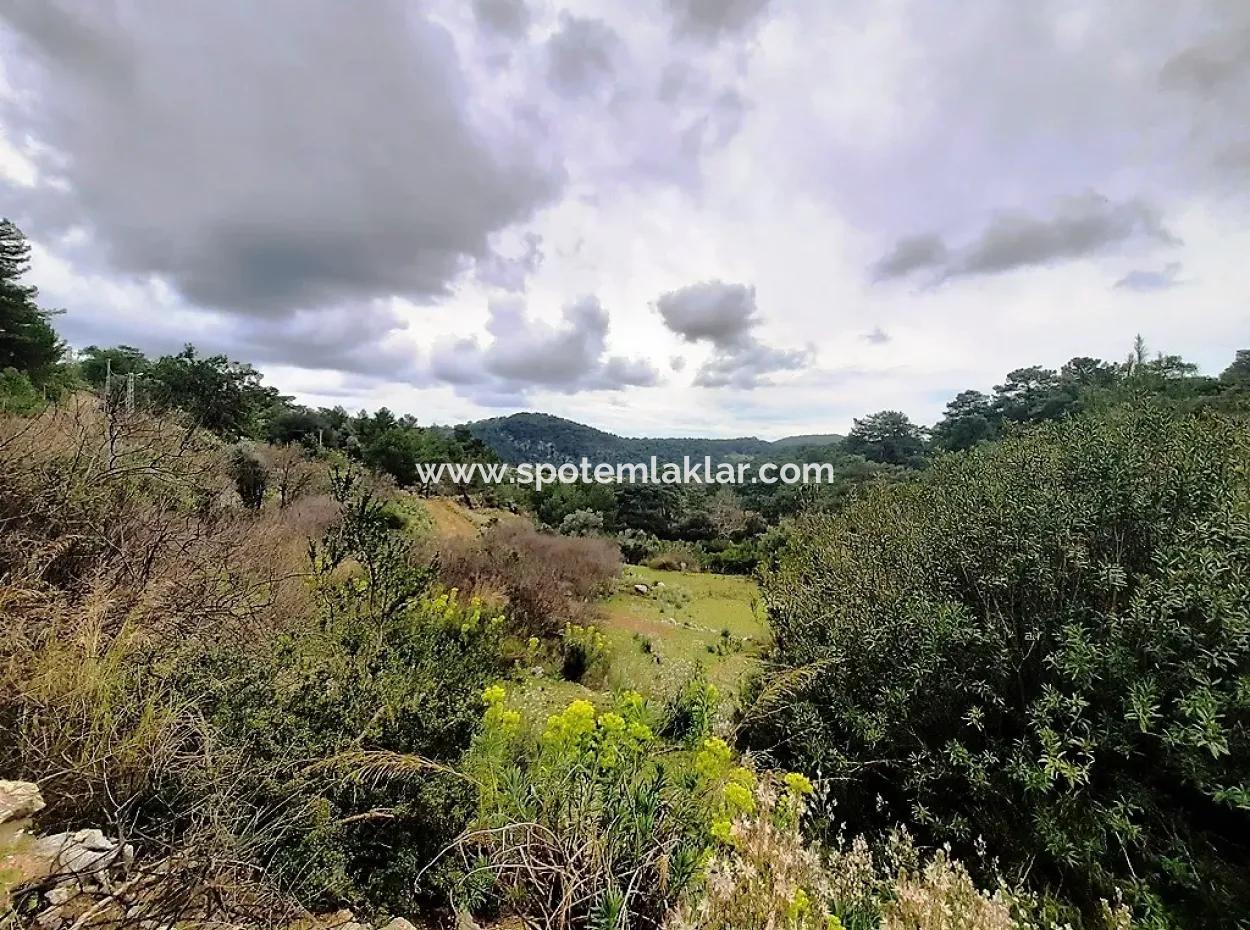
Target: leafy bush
592,824
739,558
583,653
250,478
676,559
545,579
349,731
690,714
1044,646
17,394
637,545
582,523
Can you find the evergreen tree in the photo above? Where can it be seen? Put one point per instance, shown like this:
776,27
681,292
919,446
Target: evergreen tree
28,342
889,437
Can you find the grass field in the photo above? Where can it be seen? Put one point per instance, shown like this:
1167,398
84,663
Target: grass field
684,623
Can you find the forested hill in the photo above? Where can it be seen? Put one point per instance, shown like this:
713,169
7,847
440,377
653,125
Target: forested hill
540,437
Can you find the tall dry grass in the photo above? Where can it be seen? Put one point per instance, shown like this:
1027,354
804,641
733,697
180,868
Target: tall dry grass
122,552
546,581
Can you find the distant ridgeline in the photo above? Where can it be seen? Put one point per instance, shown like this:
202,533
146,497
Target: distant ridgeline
540,437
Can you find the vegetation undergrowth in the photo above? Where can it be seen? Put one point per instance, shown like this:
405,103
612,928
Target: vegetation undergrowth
1039,649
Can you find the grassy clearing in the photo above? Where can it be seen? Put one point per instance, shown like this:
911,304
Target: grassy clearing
452,520
683,623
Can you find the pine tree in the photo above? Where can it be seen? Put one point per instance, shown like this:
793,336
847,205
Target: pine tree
28,342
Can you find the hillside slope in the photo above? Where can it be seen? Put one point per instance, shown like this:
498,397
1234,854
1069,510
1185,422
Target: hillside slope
541,437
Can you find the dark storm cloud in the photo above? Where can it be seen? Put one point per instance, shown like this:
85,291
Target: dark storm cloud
1211,66
262,158
525,353
725,315
347,339
1078,227
509,18
712,19
911,254
745,367
1161,279
581,55
1081,227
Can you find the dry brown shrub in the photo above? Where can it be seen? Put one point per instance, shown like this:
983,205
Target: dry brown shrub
942,896
547,580
121,555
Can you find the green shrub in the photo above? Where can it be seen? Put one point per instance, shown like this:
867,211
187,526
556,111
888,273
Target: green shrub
637,545
583,654
1043,646
17,394
250,478
740,558
346,726
593,823
348,732
676,559
690,714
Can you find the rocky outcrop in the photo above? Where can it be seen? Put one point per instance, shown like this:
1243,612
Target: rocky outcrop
61,875
82,853
19,800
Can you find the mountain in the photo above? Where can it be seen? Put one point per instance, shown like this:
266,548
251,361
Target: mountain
540,437
807,440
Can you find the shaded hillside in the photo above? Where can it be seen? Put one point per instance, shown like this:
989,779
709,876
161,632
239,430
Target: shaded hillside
540,437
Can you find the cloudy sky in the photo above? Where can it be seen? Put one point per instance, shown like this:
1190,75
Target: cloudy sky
703,217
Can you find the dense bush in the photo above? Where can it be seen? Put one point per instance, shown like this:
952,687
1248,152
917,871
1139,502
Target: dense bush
740,558
637,545
591,824
250,478
583,654
544,579
348,731
676,559
1042,646
173,667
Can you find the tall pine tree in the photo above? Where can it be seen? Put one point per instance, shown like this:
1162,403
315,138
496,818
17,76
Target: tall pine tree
27,340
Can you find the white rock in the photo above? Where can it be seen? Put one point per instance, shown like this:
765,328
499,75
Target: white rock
62,894
19,799
399,924
641,589
80,852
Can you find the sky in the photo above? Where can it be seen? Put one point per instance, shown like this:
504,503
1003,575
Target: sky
662,217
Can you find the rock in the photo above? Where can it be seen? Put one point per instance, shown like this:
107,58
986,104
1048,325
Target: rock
641,589
341,920
62,894
80,853
399,923
19,800
659,584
